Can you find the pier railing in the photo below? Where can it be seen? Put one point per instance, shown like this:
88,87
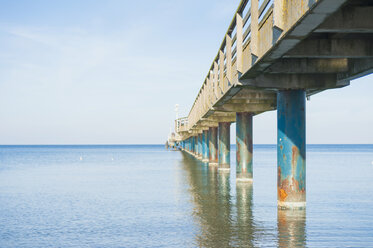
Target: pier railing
181,124
254,29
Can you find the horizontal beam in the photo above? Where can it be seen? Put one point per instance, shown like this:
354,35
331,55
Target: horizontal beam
295,81
305,65
222,114
249,101
223,119
252,108
350,19
207,123
332,48
253,94
357,68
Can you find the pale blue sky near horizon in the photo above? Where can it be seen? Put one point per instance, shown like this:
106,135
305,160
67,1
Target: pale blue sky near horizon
111,72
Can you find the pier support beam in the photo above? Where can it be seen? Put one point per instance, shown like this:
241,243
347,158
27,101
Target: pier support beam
244,146
291,149
224,145
196,145
205,146
213,146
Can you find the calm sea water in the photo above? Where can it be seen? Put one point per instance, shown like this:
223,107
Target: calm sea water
146,196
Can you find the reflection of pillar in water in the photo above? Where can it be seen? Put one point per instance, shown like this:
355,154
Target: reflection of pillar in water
223,219
291,226
245,224
210,195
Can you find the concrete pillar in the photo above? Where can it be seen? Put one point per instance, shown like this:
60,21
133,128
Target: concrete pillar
291,149
193,144
200,146
196,145
213,146
244,146
205,146
224,145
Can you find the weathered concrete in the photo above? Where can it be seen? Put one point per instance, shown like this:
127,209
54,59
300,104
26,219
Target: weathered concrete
291,149
213,146
224,146
244,146
199,154
205,146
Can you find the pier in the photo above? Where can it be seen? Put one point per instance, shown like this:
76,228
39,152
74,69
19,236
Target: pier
274,55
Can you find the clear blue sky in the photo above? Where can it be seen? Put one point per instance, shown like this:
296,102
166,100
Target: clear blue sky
110,72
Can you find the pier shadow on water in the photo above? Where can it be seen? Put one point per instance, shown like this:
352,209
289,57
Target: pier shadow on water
224,212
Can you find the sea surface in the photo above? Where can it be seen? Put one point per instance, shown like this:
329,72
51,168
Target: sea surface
147,196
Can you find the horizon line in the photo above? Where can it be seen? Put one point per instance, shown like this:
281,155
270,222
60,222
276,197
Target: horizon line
164,144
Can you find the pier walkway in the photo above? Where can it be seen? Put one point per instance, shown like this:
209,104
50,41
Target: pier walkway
274,55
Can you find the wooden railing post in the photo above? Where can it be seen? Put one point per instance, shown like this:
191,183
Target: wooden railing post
216,80
254,31
239,41
221,73
211,88
278,20
228,49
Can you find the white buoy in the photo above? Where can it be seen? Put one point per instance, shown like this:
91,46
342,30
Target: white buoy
112,159
81,158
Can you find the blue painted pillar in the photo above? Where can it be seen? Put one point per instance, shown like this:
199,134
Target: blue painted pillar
196,145
193,144
291,148
205,146
244,146
200,145
213,146
224,145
